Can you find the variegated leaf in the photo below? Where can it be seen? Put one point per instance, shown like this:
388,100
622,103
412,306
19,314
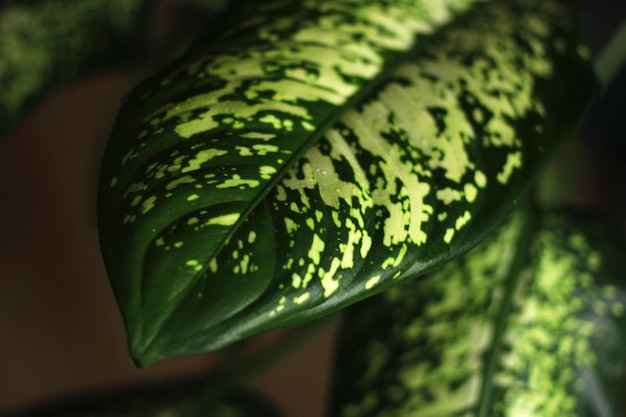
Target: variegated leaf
530,323
414,175
199,145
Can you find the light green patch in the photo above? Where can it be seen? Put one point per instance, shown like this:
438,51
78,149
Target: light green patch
266,171
328,283
308,276
447,237
237,181
366,244
463,220
263,149
336,220
348,249
258,135
194,264
281,195
273,120
449,195
136,200
371,282
213,265
244,151
302,298
394,262
224,220
202,157
185,179
470,192
291,226
193,197
296,280
480,179
514,160
239,110
243,265
316,249
135,187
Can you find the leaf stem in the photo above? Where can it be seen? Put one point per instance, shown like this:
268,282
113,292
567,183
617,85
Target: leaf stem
612,58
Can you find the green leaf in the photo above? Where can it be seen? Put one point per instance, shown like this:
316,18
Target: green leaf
46,42
204,247
531,322
193,398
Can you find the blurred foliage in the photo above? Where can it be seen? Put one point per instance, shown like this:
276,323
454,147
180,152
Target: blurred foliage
44,43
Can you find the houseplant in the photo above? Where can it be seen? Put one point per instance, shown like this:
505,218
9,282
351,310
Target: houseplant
457,220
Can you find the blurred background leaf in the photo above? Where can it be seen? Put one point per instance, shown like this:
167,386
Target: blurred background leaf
531,321
45,43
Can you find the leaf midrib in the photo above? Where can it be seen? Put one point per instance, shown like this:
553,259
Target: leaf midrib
522,253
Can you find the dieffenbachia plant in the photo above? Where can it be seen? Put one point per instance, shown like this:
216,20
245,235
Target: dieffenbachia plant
531,322
315,153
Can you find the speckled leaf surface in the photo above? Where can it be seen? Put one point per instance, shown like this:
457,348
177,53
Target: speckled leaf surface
203,244
529,323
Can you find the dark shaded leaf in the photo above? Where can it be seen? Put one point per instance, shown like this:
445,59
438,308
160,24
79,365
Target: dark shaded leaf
412,176
530,322
194,398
